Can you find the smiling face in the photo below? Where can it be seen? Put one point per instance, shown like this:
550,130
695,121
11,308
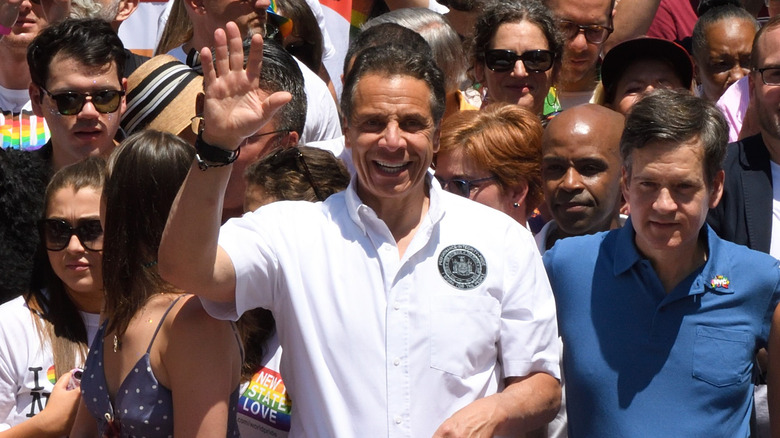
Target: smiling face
393,137
79,268
89,132
640,78
669,196
727,56
518,86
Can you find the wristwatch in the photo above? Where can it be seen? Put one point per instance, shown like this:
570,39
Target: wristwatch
213,156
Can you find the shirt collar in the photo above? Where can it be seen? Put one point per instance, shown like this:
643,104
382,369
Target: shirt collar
360,212
714,276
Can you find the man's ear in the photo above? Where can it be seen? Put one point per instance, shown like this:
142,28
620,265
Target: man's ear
36,99
123,106
126,9
290,140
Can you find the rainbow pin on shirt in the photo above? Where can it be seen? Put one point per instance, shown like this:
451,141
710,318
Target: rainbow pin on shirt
719,281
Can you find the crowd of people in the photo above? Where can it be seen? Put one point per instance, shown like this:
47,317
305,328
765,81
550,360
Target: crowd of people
525,218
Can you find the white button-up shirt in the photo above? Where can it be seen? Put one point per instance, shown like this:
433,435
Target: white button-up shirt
379,345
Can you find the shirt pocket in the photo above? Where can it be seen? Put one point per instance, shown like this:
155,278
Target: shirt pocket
721,357
464,333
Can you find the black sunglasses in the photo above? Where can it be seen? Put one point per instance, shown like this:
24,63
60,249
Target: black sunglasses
594,33
56,234
536,61
463,187
71,103
293,154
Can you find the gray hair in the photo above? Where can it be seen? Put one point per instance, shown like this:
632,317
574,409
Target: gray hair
94,9
441,37
395,60
675,117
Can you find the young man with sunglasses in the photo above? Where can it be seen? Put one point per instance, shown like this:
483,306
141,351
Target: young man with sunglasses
585,25
401,308
77,86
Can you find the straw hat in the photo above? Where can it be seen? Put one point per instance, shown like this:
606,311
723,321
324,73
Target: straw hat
161,95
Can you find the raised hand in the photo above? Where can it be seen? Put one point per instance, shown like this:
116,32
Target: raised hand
235,107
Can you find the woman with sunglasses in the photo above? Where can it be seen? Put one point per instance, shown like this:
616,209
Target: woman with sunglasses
45,333
493,157
159,365
515,51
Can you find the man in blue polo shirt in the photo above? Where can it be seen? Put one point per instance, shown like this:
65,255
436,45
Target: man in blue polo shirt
661,319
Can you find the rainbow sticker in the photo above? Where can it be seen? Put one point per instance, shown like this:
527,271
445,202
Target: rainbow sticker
51,375
720,281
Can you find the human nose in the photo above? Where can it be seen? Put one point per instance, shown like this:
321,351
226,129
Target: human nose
519,69
89,110
664,203
392,135
74,244
579,43
737,72
571,180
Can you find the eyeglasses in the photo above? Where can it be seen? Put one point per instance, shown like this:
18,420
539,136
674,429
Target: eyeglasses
70,103
536,61
463,187
769,75
293,154
594,33
56,234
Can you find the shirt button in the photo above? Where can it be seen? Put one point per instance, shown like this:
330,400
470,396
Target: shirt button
396,305
397,419
396,361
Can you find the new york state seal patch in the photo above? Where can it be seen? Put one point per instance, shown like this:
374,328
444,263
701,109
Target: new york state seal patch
462,266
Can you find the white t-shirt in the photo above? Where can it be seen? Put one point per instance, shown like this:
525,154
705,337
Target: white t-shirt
26,367
381,345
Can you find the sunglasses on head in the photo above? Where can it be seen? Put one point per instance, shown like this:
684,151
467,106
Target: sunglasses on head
56,234
594,33
536,61
71,103
294,155
463,187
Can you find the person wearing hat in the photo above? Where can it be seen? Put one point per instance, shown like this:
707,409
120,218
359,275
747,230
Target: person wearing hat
636,67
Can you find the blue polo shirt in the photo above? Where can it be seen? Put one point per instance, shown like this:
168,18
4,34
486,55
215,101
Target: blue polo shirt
642,363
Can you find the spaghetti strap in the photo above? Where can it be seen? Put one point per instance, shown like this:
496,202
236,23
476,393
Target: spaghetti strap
159,324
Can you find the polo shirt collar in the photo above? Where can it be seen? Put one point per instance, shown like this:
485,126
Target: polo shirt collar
714,276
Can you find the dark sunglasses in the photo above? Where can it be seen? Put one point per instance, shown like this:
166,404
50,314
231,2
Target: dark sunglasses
294,155
70,103
463,187
536,61
56,234
594,33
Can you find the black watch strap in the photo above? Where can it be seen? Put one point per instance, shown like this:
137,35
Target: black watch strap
213,156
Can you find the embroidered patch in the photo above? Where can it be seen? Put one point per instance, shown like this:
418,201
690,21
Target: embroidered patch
720,281
462,266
